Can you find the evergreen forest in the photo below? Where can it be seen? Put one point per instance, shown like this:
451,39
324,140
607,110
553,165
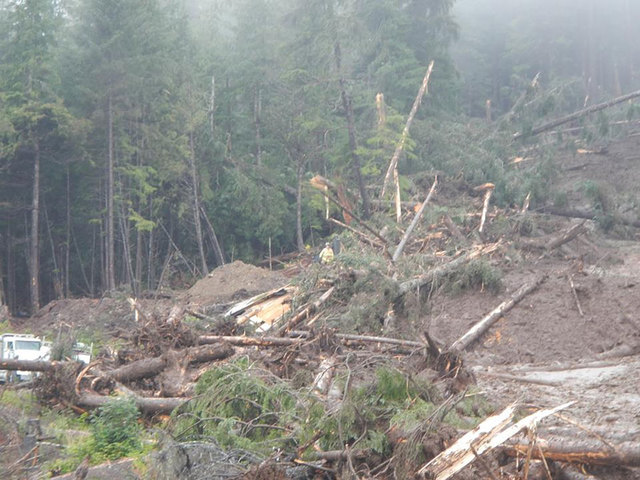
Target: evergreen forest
145,142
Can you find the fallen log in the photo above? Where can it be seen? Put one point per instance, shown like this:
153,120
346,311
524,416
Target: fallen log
28,365
304,336
453,228
337,455
208,353
587,215
372,339
145,368
566,237
551,242
516,378
483,325
344,209
589,452
148,367
145,404
580,113
249,341
443,270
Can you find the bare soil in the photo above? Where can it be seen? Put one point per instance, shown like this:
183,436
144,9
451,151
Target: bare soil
544,351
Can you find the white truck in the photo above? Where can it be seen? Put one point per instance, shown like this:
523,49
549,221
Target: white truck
29,347
21,347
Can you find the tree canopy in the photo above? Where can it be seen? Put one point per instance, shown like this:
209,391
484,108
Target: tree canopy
143,142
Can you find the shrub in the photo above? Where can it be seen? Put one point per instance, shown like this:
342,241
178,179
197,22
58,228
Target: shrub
477,274
115,429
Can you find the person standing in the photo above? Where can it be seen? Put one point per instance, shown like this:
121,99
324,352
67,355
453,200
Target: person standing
326,255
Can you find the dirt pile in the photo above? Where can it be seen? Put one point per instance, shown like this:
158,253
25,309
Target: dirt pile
233,282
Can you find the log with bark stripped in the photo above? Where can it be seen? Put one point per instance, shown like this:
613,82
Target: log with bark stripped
589,452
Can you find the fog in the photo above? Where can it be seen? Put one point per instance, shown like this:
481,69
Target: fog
590,46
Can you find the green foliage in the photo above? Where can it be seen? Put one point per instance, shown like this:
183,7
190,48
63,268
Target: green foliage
112,432
240,407
597,195
22,400
477,274
374,407
115,429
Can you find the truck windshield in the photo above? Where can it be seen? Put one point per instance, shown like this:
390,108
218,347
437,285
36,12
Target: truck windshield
27,345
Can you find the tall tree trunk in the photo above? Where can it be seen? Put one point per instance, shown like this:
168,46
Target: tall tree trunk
110,247
300,179
212,107
150,255
351,128
257,111
196,204
137,280
591,54
126,248
67,247
11,271
3,297
217,250
57,277
34,260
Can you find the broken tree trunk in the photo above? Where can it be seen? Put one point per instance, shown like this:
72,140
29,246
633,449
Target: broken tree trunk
488,435
145,404
459,455
415,221
484,324
574,116
488,190
590,452
405,133
315,181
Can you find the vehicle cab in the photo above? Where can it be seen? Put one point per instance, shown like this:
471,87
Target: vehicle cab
20,347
